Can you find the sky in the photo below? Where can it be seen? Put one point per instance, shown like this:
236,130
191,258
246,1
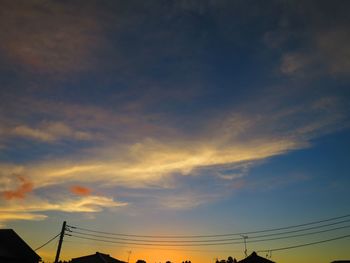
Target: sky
175,118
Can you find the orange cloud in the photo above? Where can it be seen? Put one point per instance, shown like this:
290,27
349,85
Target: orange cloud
21,191
80,190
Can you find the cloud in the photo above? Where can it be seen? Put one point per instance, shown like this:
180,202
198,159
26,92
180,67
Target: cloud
333,46
329,54
80,190
293,63
11,216
20,192
92,203
326,51
225,148
147,162
74,122
87,204
185,201
24,131
50,132
233,139
33,208
49,36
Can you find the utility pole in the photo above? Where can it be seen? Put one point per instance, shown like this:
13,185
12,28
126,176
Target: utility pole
60,242
129,252
245,244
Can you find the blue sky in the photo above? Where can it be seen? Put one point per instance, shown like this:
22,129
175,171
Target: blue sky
209,116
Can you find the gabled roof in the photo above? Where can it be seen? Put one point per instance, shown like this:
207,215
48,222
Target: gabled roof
12,246
254,258
96,258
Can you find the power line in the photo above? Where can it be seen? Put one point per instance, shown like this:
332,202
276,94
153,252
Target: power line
304,245
47,242
301,230
146,244
216,235
196,242
299,235
271,235
227,239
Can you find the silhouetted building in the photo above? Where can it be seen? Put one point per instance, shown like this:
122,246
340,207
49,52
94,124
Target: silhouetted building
13,249
96,258
254,258
341,261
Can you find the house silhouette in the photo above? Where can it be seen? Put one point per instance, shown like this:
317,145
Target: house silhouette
254,258
96,258
13,249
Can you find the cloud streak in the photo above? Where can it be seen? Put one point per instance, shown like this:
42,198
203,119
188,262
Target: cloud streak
237,139
50,132
33,208
224,150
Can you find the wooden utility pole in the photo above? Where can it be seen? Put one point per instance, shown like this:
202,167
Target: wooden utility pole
245,244
60,242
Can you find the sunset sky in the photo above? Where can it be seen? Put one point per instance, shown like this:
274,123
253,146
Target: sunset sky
175,118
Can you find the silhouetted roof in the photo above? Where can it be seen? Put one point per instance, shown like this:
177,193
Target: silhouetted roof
13,247
341,261
96,258
254,258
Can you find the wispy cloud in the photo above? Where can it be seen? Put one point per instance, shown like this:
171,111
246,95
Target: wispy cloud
237,139
12,216
320,49
333,46
33,208
38,36
224,149
293,63
50,132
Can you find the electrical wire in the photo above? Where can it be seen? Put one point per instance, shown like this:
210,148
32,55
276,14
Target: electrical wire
209,236
299,235
47,242
227,239
304,245
216,243
146,244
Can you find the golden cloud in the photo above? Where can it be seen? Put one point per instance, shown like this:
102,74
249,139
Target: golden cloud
9,216
32,207
151,160
233,140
